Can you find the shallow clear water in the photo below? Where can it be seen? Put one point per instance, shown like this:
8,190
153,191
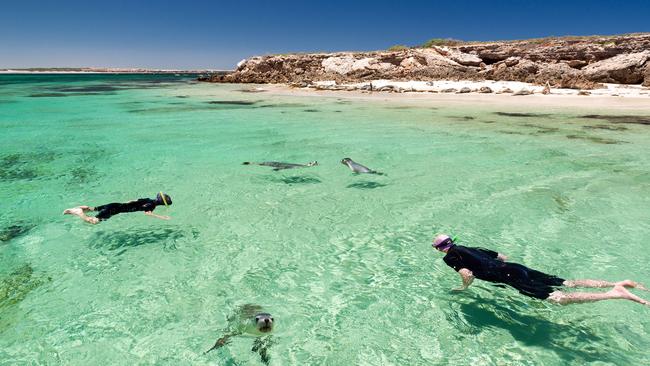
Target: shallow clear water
343,262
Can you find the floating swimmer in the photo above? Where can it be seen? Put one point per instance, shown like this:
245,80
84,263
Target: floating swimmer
491,266
281,166
358,168
104,212
249,320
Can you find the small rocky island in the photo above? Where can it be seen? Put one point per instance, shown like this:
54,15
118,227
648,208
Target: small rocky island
562,62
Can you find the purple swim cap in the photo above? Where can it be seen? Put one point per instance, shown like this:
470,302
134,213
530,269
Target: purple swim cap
442,241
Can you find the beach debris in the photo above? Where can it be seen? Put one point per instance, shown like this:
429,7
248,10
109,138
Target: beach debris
584,92
464,90
485,90
523,91
505,91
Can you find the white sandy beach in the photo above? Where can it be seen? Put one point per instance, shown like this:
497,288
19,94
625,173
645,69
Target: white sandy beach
613,96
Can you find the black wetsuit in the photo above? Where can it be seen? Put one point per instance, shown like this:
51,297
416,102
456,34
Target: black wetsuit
485,266
142,204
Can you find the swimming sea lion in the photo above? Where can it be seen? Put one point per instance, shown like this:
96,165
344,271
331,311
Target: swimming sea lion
358,168
281,166
249,320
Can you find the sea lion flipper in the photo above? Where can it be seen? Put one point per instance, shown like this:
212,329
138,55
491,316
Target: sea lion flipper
222,341
261,346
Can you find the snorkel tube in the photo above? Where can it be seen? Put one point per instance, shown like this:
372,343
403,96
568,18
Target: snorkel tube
162,197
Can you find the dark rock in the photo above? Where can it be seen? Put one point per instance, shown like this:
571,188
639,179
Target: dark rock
464,90
519,114
485,90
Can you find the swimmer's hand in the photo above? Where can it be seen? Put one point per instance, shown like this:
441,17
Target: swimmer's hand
467,277
502,257
149,213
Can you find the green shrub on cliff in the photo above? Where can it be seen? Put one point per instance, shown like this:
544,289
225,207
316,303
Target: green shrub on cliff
398,47
441,42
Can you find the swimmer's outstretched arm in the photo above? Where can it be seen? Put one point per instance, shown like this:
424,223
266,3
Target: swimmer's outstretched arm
149,213
467,277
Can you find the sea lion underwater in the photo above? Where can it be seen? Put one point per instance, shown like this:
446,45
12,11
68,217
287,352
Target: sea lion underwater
281,166
249,320
358,168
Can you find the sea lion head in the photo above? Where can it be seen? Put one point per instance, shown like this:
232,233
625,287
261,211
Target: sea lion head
264,322
312,163
345,161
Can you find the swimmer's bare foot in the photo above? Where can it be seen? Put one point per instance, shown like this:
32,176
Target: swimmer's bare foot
631,284
621,292
77,211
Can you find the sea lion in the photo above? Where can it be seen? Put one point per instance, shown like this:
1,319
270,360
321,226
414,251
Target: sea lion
249,320
281,166
358,168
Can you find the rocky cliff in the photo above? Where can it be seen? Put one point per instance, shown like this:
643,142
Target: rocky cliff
567,62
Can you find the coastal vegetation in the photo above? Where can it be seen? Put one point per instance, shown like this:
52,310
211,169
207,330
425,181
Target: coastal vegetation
441,42
398,47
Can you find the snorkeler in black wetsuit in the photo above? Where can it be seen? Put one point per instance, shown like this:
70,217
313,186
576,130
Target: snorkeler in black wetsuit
491,266
104,212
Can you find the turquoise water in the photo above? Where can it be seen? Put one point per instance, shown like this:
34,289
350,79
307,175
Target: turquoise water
343,262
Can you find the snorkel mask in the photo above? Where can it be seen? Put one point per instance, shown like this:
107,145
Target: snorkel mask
443,242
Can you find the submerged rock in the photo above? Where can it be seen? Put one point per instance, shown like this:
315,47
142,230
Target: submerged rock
16,285
14,230
638,120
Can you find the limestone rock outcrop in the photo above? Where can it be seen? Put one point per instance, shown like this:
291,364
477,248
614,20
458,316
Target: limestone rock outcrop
569,62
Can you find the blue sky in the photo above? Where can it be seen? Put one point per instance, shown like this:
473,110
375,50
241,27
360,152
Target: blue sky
217,34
